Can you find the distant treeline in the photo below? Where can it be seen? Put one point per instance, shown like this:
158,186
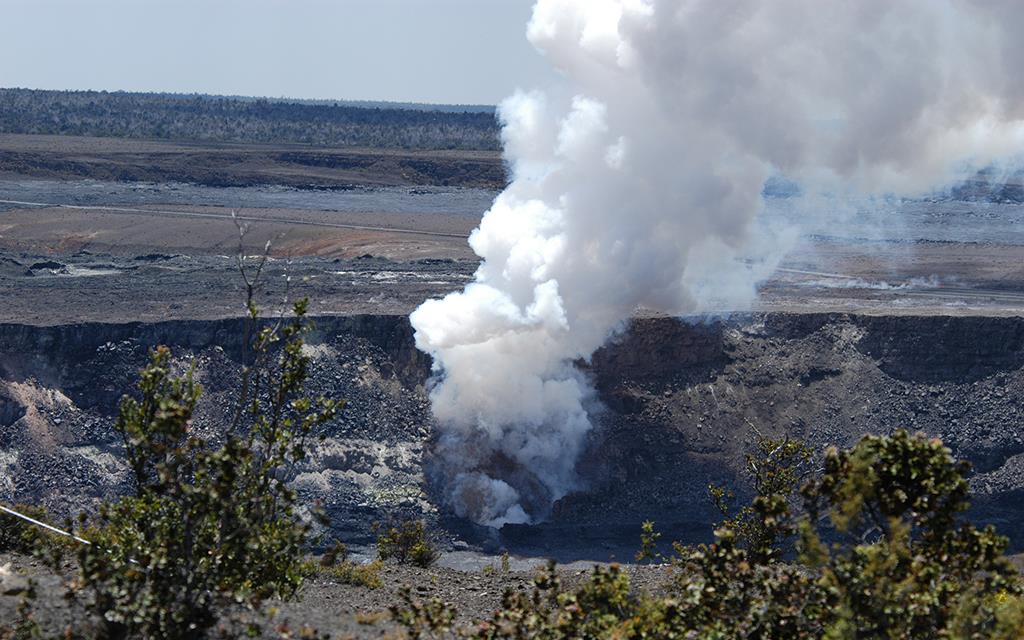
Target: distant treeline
234,119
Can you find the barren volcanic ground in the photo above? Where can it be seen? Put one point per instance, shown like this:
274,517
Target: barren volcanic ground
859,331
242,165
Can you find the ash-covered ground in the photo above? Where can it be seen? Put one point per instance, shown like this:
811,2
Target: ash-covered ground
116,252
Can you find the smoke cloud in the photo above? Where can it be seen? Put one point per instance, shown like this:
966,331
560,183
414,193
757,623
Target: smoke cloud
638,184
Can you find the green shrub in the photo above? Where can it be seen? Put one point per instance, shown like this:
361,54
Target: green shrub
407,543
648,543
207,526
335,565
764,526
431,618
19,536
602,606
883,553
905,563
359,575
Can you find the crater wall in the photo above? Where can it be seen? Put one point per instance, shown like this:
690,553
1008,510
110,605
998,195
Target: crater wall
682,400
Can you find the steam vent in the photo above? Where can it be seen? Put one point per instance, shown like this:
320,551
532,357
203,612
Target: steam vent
567,319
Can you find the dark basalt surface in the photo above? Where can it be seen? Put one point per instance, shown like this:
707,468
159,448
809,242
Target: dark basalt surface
681,401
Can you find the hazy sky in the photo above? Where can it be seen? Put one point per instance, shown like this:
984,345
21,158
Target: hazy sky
451,51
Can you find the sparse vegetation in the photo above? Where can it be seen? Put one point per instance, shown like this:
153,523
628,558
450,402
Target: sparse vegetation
19,536
504,565
407,543
371,617
882,552
648,543
360,575
432,618
336,565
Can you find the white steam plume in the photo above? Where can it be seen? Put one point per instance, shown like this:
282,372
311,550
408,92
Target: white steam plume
640,190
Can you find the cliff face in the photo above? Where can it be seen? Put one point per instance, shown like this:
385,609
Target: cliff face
59,348
681,402
60,386
685,400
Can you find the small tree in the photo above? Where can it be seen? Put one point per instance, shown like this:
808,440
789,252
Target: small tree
648,551
775,470
207,524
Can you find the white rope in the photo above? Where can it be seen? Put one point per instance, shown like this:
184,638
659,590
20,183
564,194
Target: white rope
43,524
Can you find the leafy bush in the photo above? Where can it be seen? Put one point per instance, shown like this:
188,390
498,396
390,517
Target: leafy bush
407,543
883,553
208,525
19,536
432,618
359,575
923,571
648,543
595,609
764,526
336,565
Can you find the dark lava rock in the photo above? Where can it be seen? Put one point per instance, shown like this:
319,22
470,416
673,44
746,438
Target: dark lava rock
48,264
680,403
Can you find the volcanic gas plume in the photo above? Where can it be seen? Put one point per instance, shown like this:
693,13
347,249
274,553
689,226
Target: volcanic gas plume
637,183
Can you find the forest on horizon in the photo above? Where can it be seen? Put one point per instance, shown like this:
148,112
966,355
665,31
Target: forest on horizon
248,120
